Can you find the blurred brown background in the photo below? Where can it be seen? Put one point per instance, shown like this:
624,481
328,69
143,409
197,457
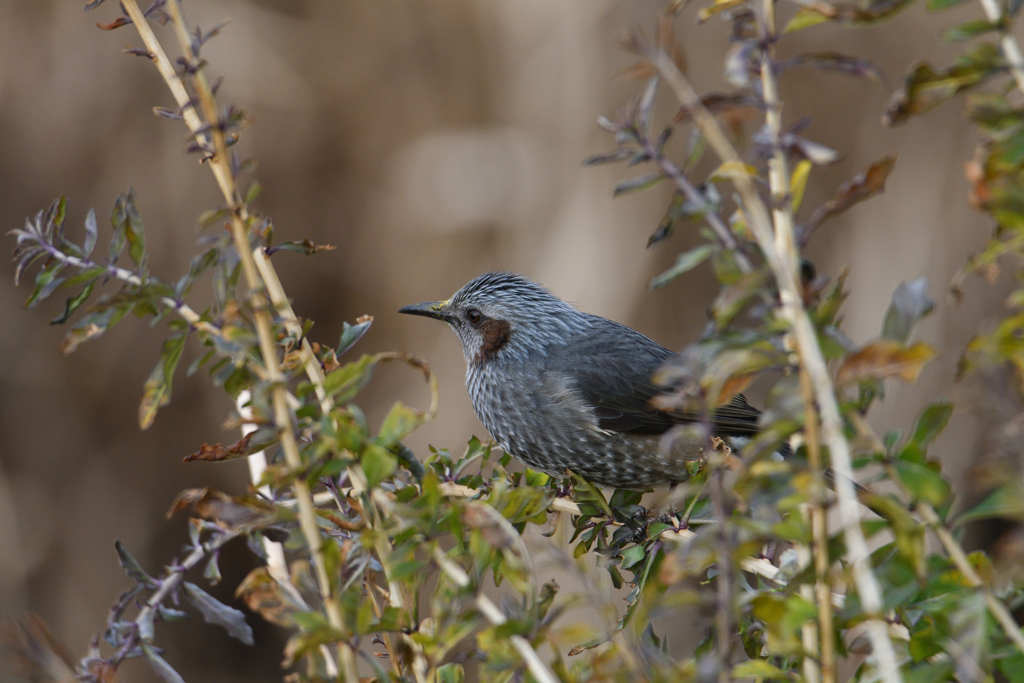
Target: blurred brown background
430,141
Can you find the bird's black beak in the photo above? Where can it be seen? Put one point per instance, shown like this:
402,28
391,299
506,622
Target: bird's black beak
430,309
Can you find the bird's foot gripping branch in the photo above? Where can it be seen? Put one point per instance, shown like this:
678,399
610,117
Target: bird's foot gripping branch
385,564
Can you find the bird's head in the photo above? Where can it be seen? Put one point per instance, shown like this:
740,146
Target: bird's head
502,314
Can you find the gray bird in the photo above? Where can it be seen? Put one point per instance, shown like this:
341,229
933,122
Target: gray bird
564,390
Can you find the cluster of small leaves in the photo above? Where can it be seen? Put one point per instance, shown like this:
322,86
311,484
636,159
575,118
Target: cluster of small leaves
156,600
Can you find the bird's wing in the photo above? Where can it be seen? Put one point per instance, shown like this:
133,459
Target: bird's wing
613,368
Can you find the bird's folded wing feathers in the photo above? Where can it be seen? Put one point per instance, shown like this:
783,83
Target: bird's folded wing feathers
614,371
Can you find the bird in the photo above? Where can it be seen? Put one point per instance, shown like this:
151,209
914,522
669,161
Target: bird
563,390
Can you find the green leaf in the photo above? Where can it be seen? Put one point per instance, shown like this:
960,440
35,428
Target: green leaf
73,304
217,613
968,30
126,222
350,334
399,423
638,184
46,282
633,556
157,391
344,382
757,668
685,262
451,673
253,192
937,5
160,666
925,483
1007,502
378,464
933,420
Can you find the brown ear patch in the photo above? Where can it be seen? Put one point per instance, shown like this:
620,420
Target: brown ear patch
496,335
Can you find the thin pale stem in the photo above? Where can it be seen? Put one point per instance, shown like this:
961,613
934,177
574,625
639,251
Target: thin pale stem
693,195
723,581
784,270
819,535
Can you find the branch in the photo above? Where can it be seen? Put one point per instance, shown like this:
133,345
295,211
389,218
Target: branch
264,323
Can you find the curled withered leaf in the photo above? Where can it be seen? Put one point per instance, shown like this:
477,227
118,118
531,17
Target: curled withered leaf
925,88
859,188
116,23
885,358
264,595
218,451
305,246
739,105
238,513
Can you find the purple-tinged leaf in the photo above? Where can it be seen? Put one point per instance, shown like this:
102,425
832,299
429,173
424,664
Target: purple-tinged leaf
132,566
138,52
160,666
93,4
638,184
25,259
165,113
219,614
620,154
212,571
835,62
646,105
91,233
739,63
817,153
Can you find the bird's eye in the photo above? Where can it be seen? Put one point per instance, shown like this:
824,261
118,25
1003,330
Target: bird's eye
474,316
